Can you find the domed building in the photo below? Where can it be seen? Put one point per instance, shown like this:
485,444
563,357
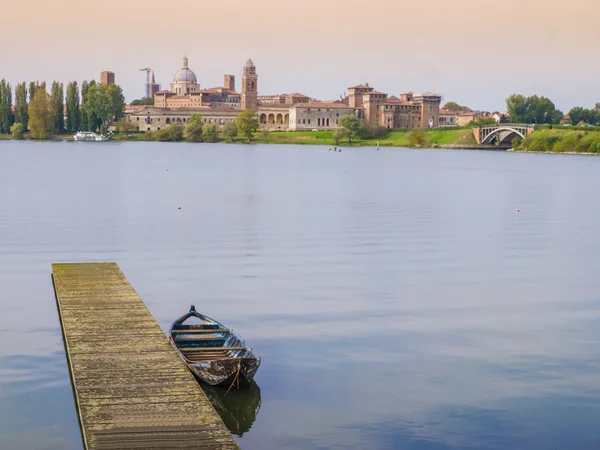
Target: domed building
185,81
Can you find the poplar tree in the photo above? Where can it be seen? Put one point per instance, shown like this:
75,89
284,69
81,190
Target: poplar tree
6,114
83,116
41,115
58,100
89,118
32,89
21,109
73,113
92,115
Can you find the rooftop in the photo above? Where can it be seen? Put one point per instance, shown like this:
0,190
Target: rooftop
330,105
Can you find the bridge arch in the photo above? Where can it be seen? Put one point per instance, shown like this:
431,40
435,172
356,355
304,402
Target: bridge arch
503,134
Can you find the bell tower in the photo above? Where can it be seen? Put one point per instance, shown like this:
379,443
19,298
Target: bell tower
249,87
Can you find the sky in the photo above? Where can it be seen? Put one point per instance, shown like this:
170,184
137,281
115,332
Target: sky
473,52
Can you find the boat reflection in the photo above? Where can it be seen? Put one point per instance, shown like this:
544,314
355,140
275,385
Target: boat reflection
238,408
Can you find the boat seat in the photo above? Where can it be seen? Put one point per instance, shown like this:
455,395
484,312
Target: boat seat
212,349
201,331
199,338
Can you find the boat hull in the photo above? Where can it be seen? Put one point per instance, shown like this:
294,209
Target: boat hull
225,372
215,355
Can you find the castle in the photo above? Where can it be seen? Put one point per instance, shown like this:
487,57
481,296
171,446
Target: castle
222,104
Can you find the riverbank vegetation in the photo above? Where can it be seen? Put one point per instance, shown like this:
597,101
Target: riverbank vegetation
246,129
97,105
561,140
541,110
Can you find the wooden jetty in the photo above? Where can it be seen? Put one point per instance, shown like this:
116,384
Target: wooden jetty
131,388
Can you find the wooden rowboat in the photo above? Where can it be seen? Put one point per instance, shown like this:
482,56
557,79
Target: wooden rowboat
214,354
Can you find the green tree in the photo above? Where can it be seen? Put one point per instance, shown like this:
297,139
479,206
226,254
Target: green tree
144,101
17,130
338,135
194,128
577,115
172,133
125,127
73,110
7,117
516,142
517,108
554,117
532,109
116,99
210,133
417,138
230,131
247,124
92,121
351,126
84,120
32,88
41,115
58,100
21,109
483,121
104,104
453,106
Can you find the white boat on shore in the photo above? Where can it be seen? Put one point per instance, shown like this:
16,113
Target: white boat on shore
89,136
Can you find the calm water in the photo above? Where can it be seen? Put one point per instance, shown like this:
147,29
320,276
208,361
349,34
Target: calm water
397,298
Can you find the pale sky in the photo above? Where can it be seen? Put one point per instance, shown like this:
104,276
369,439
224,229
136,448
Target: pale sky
474,52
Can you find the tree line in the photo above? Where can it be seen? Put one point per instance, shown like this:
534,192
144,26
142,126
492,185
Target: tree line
46,113
541,110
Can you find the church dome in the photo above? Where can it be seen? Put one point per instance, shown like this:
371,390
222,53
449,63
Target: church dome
185,74
249,64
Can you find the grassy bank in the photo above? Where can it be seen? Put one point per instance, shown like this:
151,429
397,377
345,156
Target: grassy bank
58,137
429,138
562,141
394,138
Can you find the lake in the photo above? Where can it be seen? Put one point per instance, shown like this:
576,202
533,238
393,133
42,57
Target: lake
397,297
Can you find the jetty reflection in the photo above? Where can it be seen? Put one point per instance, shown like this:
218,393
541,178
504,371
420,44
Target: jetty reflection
238,408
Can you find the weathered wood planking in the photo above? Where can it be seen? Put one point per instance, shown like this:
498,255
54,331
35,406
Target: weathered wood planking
131,388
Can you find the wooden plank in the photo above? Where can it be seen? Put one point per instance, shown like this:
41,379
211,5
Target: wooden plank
132,390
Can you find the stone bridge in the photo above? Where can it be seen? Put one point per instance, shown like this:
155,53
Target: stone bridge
501,134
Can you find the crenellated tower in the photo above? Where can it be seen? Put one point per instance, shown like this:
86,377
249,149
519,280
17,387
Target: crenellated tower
249,87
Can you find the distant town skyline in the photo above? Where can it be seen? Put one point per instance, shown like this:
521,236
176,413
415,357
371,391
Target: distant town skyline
475,54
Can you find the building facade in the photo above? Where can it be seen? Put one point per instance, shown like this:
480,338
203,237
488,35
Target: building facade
448,118
151,118
296,111
318,115
409,111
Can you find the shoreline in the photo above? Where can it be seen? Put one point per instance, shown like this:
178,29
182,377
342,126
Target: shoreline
357,144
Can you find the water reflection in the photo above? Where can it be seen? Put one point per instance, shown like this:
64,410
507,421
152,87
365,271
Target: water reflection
238,408
397,299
